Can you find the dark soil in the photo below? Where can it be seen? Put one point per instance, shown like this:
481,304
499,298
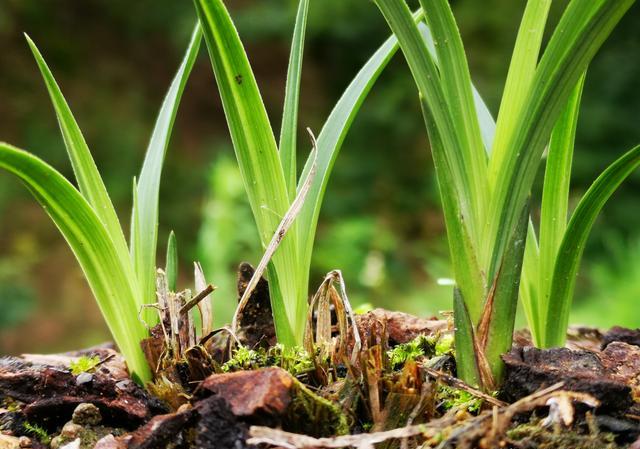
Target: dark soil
394,387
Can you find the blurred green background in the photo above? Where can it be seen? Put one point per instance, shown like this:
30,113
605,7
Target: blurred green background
381,222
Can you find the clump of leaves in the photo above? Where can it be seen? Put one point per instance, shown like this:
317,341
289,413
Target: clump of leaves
268,166
486,170
84,364
38,432
120,275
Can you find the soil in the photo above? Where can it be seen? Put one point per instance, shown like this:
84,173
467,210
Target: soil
391,385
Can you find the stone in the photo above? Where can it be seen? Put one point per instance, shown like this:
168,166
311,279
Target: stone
87,414
9,442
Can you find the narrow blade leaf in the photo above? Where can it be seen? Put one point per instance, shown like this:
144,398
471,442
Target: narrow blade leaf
109,279
288,130
143,248
171,266
89,179
575,238
258,159
555,196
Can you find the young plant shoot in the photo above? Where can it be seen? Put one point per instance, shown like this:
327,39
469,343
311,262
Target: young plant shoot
121,277
485,175
268,168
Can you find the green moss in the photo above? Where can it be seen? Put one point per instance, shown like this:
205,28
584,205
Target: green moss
295,360
84,365
444,345
421,346
313,415
532,434
38,432
449,398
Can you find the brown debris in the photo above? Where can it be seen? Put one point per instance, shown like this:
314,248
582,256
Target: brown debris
264,391
52,393
255,321
272,396
616,333
529,369
401,327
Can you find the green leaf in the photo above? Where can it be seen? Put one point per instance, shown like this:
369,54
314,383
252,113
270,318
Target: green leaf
143,248
501,307
466,360
330,141
461,248
258,158
519,78
457,158
581,31
575,238
171,266
457,89
108,274
426,75
89,179
555,202
288,130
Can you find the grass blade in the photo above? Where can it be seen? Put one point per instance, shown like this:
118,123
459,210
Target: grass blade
171,266
427,78
89,180
455,158
330,141
456,83
519,77
108,277
496,333
581,31
575,238
259,162
555,201
143,248
288,130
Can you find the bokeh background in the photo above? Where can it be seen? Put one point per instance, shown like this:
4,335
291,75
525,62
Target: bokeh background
381,222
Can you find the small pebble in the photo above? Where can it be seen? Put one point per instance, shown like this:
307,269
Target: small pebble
71,430
87,414
24,442
123,384
184,408
55,442
75,444
9,442
84,378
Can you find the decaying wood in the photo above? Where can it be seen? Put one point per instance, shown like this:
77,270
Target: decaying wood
278,236
205,307
490,426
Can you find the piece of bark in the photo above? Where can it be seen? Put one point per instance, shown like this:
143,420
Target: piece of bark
272,396
401,327
617,333
51,393
255,320
161,430
529,369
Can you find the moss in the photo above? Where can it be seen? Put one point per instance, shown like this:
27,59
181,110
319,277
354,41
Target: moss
453,398
421,346
313,415
38,432
532,434
294,360
84,364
